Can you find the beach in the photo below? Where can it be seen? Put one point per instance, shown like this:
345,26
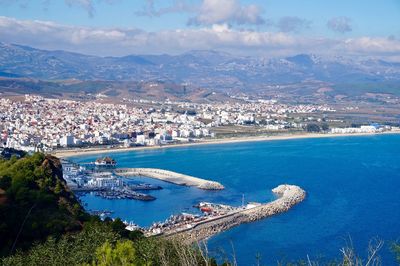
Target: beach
100,150
64,153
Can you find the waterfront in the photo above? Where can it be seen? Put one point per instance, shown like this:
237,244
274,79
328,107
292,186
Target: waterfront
352,185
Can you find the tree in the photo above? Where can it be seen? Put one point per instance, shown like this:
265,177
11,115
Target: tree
122,253
396,250
325,127
313,128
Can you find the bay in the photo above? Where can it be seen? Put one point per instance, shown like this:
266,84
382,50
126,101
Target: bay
352,186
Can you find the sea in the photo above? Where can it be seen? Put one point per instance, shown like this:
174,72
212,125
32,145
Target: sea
352,185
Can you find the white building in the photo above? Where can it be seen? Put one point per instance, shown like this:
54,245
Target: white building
67,141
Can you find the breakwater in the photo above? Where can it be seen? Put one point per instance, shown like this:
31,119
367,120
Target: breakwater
289,195
170,176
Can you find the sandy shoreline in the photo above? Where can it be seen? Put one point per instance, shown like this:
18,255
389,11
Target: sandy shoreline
92,151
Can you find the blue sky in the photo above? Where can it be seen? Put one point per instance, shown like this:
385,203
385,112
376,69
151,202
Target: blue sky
259,26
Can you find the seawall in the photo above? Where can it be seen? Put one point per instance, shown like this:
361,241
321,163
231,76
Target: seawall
170,176
289,195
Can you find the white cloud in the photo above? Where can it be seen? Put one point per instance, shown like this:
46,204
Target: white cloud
378,45
208,12
227,11
118,41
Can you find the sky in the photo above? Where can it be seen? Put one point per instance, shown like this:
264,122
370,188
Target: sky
273,28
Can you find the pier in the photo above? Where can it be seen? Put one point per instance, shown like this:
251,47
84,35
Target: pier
171,177
289,196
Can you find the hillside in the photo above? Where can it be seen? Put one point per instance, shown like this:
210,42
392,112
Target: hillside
109,90
35,202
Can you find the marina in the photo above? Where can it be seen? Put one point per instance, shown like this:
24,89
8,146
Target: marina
98,177
109,182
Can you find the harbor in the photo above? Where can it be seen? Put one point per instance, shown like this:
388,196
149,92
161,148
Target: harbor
108,182
98,178
105,180
217,218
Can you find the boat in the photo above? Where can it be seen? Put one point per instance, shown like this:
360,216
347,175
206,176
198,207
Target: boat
144,187
106,162
206,209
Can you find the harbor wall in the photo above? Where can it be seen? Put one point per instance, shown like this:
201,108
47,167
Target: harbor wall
170,176
289,196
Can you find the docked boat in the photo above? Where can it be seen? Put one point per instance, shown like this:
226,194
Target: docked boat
106,162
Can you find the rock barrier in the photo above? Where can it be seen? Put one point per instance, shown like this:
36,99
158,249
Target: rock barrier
289,195
170,176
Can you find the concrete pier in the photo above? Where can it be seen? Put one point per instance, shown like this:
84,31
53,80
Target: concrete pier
289,196
170,176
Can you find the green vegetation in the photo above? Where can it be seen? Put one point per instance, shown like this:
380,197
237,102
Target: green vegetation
35,202
396,251
70,249
313,128
98,244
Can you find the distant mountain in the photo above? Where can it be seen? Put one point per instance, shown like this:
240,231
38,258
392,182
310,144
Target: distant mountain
208,69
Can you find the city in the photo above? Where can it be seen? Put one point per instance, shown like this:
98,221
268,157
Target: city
42,124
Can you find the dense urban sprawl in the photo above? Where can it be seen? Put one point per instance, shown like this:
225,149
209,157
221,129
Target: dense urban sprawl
39,123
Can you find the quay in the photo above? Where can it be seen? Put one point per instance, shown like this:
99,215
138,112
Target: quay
288,196
171,177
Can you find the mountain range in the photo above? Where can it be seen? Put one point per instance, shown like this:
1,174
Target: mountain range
190,67
209,70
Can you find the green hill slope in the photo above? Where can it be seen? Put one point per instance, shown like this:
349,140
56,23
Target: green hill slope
35,202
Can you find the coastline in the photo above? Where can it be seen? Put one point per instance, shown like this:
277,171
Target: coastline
94,151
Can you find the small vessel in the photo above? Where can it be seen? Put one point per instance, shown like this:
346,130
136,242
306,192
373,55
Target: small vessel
206,209
144,187
106,162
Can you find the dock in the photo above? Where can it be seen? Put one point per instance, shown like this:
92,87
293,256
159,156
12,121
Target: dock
171,177
288,196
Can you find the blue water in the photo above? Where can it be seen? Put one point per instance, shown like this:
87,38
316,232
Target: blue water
352,185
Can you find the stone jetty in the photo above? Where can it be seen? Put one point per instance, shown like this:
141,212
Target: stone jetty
288,196
170,176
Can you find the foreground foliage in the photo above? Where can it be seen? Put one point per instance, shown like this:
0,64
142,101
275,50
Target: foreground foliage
98,244
35,202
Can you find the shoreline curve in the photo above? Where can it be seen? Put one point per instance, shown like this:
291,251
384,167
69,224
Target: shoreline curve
102,150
